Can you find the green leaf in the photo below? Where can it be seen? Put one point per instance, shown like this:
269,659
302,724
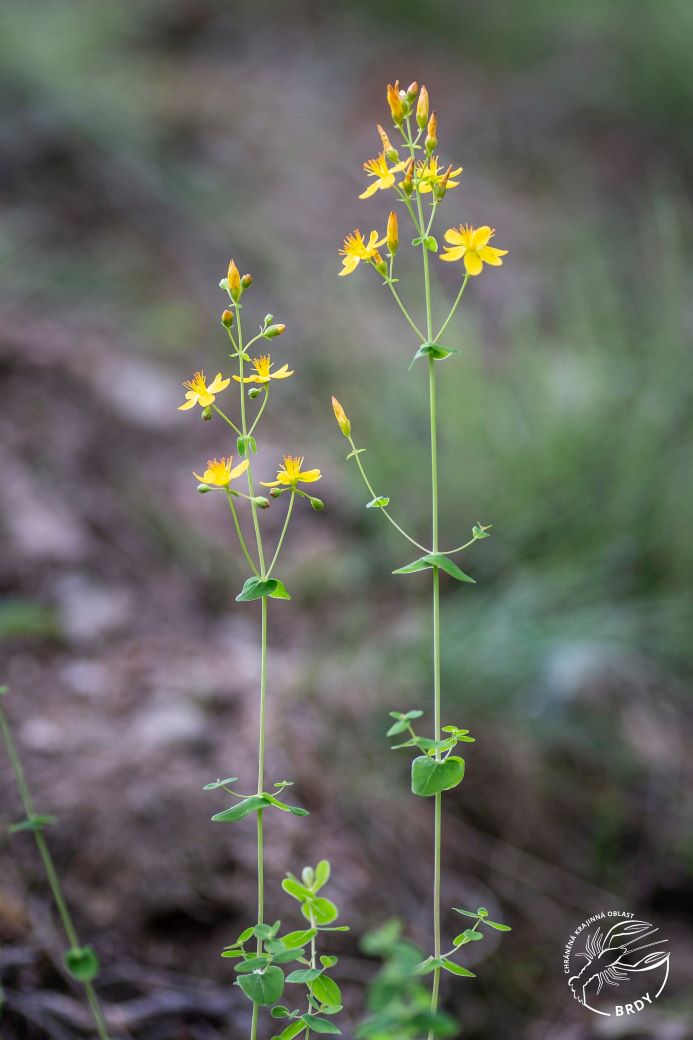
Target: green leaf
256,963
481,531
291,1031
356,451
294,888
220,783
257,588
295,809
295,940
321,1025
265,988
397,727
281,1012
328,962
322,875
497,926
326,991
429,965
240,445
431,243
323,910
465,913
457,969
378,503
429,777
32,823
286,956
430,560
82,963
244,808
304,975
435,351
468,935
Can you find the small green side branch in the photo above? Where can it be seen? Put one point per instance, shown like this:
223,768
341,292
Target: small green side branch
81,962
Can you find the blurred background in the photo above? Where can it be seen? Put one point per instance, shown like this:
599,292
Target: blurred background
142,145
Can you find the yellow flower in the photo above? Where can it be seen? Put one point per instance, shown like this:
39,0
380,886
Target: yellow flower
356,249
472,245
262,366
220,473
199,393
392,233
290,474
429,175
384,175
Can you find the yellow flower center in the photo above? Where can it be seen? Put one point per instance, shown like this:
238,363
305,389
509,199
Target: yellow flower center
220,469
354,245
197,383
292,466
262,365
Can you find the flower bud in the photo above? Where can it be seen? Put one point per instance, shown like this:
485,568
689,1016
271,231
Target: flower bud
268,319
203,488
392,233
234,281
246,281
395,103
227,319
441,187
391,153
254,392
408,182
273,330
379,264
317,504
207,413
431,142
422,109
413,90
341,417
276,492
260,501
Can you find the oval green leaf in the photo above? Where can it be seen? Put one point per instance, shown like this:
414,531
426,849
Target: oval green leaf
244,808
82,963
430,560
259,588
265,988
429,777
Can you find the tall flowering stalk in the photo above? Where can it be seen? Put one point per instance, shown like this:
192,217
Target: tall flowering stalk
412,172
260,951
81,962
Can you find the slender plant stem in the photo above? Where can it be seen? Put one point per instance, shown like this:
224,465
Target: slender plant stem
454,308
383,511
405,312
241,539
51,873
283,533
226,419
259,414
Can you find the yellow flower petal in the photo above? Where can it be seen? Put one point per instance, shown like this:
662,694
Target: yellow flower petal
218,384
239,469
204,400
270,483
190,403
370,190
472,261
349,264
481,236
309,476
456,253
282,373
454,237
246,379
492,256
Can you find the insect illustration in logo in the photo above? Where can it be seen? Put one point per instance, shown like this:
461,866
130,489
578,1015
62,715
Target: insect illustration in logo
608,957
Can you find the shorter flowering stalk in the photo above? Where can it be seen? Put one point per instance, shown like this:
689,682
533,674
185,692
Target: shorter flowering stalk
262,983
81,962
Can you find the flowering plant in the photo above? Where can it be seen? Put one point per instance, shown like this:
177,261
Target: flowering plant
418,179
261,953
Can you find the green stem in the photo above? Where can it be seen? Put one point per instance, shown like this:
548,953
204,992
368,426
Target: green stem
312,964
241,539
226,419
454,308
373,494
244,428
51,873
259,414
406,313
283,533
